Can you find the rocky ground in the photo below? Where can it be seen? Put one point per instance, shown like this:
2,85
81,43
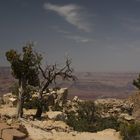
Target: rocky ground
52,126
56,130
38,134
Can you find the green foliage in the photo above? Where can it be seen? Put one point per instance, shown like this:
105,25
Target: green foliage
25,68
136,82
105,123
25,65
98,124
31,104
87,120
130,131
84,118
78,124
14,89
86,110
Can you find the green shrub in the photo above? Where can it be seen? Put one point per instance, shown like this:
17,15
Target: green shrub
15,89
85,119
86,111
73,121
31,104
130,131
105,123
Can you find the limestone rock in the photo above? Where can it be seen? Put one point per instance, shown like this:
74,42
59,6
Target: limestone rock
56,115
50,125
113,107
9,121
127,117
9,99
10,132
8,112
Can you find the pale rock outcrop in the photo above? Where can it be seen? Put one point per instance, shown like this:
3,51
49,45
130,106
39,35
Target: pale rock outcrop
114,107
14,131
7,112
53,97
38,134
56,115
9,99
127,117
61,97
50,125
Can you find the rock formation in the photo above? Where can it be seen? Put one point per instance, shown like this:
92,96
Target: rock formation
52,125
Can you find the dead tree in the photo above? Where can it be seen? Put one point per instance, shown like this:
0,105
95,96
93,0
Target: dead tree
50,75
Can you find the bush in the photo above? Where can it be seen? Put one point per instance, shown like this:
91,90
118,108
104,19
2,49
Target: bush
31,104
105,123
130,131
15,89
85,119
78,123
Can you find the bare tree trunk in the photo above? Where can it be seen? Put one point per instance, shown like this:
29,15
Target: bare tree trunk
40,99
20,98
20,106
40,106
39,111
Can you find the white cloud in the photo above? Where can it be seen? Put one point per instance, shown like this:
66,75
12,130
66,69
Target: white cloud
79,39
72,14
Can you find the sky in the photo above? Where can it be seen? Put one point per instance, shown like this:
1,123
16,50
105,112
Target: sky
99,35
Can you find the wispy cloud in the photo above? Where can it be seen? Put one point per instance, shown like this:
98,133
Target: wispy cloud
79,39
69,35
72,14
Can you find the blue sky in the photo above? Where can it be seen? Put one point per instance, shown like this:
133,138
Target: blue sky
99,35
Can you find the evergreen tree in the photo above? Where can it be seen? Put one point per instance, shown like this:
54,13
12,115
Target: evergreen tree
136,82
24,67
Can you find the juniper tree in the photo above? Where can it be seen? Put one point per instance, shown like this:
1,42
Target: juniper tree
136,82
25,69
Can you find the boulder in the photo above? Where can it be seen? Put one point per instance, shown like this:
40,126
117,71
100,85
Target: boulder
9,99
49,126
75,99
12,134
2,127
6,97
62,95
52,98
56,115
12,101
127,117
8,112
